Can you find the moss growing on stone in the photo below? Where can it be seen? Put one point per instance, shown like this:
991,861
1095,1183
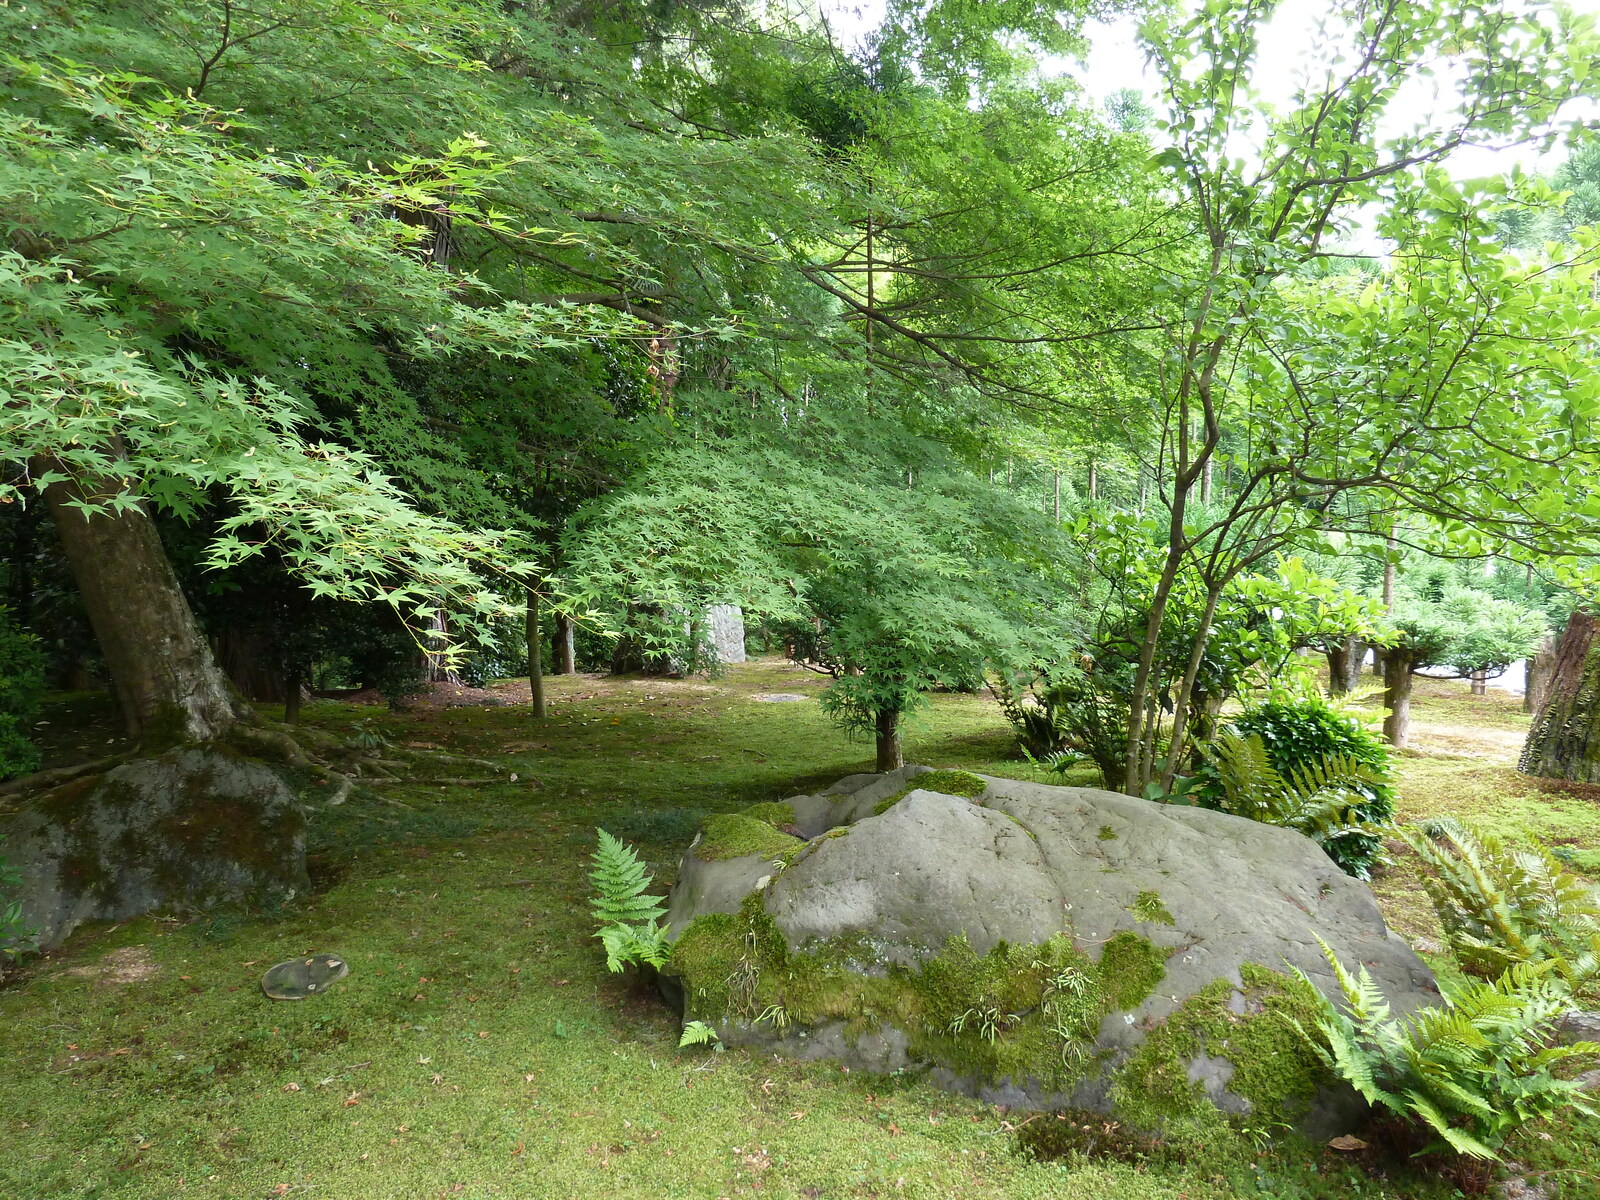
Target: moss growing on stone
1107,834
734,835
1130,969
1016,1012
947,783
1148,906
1273,1067
774,813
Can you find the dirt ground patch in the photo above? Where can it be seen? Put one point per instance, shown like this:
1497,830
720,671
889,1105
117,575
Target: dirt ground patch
130,964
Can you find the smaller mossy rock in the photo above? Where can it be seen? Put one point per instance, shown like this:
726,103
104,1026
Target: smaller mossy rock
775,813
737,835
198,827
732,856
947,783
1015,952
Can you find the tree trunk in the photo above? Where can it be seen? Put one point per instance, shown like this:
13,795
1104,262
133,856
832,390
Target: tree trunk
163,674
439,668
295,684
535,639
1094,482
1537,680
566,650
1397,664
1564,739
889,757
1338,656
1480,683
1180,706
250,661
1391,548
1344,665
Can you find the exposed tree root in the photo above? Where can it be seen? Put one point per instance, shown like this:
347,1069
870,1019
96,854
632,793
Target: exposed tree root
41,781
299,748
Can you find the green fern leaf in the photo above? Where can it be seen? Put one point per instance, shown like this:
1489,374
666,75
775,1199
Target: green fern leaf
621,883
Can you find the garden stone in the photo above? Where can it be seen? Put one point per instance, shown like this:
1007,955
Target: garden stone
1579,1026
194,828
813,815
725,628
302,978
950,935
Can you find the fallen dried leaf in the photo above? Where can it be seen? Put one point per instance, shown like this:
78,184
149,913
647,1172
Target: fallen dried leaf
1347,1142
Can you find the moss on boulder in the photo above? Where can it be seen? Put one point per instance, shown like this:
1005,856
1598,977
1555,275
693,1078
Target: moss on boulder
1242,1038
1013,952
736,835
947,783
774,813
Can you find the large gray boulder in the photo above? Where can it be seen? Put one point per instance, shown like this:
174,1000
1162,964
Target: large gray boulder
193,828
1033,945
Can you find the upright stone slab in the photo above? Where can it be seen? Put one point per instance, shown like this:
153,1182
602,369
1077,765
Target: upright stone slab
726,622
1034,945
192,828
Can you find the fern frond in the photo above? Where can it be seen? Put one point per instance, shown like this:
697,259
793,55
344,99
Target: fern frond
1249,784
625,944
1458,1139
698,1033
620,883
1500,905
1472,1070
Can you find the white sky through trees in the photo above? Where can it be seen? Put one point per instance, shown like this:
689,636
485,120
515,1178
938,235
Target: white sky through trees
1116,62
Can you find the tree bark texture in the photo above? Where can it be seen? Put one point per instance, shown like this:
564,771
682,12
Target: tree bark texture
1537,682
163,674
888,728
535,639
1398,662
1564,739
1344,665
438,662
566,650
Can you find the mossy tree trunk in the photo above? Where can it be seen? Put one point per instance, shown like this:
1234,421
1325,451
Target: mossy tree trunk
1564,739
163,673
888,735
1398,664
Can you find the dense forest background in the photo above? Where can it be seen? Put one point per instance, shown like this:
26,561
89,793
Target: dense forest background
418,336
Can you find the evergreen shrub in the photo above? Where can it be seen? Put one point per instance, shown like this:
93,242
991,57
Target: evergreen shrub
1298,735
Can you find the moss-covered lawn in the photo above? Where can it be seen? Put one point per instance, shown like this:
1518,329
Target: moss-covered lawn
479,1048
